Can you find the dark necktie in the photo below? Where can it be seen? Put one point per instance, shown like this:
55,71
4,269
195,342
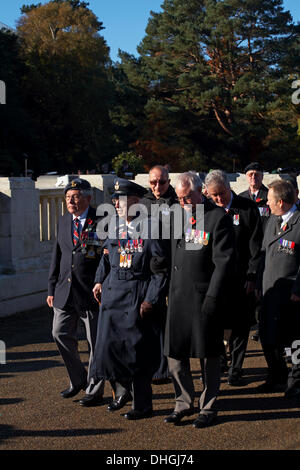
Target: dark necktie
253,197
76,231
279,222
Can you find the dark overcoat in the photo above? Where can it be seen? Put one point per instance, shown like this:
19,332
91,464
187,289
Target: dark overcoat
72,269
194,326
128,345
279,317
248,240
261,202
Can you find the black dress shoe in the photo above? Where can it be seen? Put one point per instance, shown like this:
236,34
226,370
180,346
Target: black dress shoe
91,400
119,402
292,392
204,420
136,414
72,391
236,381
176,416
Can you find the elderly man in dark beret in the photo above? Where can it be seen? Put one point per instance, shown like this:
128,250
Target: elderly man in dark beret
75,257
257,191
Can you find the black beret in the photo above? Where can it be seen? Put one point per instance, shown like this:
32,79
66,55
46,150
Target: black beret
254,166
123,187
79,184
290,179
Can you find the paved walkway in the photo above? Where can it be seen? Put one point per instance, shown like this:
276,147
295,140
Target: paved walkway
33,416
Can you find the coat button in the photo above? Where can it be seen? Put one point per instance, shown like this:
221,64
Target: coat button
175,268
69,280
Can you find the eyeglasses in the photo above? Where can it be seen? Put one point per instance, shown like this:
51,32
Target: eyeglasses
155,182
75,197
187,198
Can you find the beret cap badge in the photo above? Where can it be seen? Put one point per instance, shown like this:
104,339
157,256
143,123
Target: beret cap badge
117,187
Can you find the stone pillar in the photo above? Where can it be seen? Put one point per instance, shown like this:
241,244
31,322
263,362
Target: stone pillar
23,263
19,225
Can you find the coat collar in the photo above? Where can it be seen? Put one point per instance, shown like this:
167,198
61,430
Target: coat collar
289,226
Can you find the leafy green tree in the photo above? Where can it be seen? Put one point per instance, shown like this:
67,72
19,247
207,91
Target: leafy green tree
128,162
222,64
66,84
16,128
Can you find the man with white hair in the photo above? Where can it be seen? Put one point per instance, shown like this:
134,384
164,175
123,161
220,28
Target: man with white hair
202,263
248,240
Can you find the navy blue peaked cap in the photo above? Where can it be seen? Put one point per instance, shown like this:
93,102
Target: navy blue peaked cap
123,187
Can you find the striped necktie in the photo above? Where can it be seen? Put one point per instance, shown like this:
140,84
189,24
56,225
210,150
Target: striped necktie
76,231
253,196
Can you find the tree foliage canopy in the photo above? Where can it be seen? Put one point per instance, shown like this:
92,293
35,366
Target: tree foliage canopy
211,87
222,64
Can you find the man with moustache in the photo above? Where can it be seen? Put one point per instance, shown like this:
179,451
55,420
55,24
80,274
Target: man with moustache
248,240
257,191
202,262
75,257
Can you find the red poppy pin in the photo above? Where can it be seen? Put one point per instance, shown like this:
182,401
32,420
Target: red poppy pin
192,220
258,199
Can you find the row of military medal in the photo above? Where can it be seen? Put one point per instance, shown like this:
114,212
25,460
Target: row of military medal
90,244
197,236
127,251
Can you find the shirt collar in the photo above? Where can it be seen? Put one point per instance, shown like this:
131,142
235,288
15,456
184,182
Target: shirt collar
82,216
230,202
288,215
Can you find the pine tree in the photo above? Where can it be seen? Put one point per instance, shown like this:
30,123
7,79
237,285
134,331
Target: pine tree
223,65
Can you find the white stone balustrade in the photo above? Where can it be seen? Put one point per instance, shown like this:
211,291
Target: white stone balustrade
28,218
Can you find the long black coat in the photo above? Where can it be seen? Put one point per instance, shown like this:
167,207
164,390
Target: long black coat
248,240
261,202
72,271
126,344
280,318
198,284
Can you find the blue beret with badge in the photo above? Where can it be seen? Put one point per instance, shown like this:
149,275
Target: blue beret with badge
79,184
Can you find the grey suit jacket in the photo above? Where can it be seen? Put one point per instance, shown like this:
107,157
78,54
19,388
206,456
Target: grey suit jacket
280,279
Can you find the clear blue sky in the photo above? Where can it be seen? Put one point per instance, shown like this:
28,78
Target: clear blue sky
124,20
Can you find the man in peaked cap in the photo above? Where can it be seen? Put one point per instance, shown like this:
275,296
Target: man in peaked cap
75,257
131,280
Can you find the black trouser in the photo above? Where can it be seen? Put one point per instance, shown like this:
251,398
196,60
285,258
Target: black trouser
277,368
237,346
140,389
